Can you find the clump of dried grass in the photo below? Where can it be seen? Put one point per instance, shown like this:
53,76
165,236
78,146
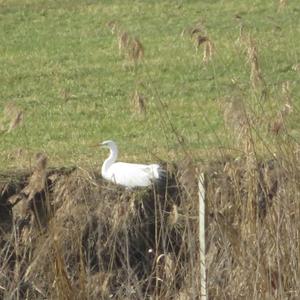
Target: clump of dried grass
198,35
256,77
195,29
208,51
113,26
278,125
243,35
31,199
138,103
237,120
282,4
249,47
123,41
129,46
296,67
135,50
12,117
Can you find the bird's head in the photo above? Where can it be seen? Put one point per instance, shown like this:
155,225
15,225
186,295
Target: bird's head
108,144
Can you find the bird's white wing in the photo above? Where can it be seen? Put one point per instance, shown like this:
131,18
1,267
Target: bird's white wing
132,175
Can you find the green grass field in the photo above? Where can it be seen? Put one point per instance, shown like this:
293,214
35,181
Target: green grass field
60,65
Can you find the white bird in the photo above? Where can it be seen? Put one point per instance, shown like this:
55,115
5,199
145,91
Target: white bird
128,174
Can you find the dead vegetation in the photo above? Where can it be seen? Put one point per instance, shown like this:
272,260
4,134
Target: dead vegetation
138,102
12,118
256,77
82,238
130,47
282,4
248,45
199,36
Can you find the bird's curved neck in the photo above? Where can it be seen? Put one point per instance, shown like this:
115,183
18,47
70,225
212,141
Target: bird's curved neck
113,155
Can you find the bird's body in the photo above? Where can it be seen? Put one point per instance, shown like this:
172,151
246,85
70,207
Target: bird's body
129,174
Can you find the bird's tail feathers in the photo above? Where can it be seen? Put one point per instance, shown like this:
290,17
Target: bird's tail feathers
162,173
159,172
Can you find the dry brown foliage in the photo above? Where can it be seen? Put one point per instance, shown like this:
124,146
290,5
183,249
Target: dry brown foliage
129,46
123,41
199,36
135,50
236,118
196,29
255,255
200,40
208,47
242,38
30,202
278,125
16,121
296,67
208,51
282,4
138,102
113,26
256,77
12,117
101,241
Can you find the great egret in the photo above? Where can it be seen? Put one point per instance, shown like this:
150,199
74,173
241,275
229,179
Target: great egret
128,174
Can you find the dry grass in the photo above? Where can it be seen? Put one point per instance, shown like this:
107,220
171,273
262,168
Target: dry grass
12,117
282,4
99,241
278,124
104,241
199,37
249,48
135,50
123,42
138,103
251,240
208,51
129,46
237,119
256,77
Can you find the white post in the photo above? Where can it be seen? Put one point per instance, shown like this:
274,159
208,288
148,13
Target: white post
202,235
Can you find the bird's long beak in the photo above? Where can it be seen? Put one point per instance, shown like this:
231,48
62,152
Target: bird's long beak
95,145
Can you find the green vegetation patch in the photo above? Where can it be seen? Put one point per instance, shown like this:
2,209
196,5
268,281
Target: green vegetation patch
65,69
